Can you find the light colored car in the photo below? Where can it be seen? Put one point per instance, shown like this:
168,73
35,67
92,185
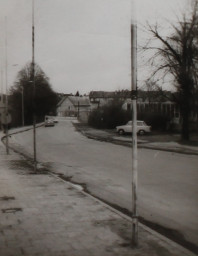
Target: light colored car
49,122
142,128
55,120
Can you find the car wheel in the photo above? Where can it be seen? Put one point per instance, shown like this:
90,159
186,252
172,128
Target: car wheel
141,132
121,132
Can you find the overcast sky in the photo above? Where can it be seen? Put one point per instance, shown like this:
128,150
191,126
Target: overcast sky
81,45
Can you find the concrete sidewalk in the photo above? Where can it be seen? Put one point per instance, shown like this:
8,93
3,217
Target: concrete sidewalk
43,215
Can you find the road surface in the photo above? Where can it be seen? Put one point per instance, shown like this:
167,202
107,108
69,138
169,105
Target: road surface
167,182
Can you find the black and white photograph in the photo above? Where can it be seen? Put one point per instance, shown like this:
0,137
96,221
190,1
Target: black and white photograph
98,127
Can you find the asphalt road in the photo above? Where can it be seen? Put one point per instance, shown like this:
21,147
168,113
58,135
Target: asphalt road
167,182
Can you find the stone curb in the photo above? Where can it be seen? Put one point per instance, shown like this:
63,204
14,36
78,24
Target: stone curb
140,145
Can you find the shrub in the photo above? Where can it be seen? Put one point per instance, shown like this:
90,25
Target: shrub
156,120
109,116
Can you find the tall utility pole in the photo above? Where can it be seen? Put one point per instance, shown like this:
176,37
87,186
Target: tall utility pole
34,90
134,134
6,88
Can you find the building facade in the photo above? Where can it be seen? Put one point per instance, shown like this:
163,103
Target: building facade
76,106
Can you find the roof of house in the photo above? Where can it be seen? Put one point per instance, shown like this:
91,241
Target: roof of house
115,94
101,94
155,96
145,96
82,101
152,96
76,100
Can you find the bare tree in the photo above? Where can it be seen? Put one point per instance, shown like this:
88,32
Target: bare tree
178,55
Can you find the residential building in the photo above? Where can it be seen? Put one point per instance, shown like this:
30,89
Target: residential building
77,106
101,98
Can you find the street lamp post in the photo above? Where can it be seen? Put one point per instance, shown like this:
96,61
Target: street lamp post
134,126
134,139
34,90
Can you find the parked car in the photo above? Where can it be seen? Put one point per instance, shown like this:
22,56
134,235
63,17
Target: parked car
49,122
142,128
55,120
52,118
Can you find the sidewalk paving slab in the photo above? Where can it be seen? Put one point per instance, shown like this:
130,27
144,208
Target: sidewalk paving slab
41,214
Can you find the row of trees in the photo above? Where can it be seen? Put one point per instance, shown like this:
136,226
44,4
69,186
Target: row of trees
21,96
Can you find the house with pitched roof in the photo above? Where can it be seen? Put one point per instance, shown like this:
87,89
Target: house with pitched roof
76,106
